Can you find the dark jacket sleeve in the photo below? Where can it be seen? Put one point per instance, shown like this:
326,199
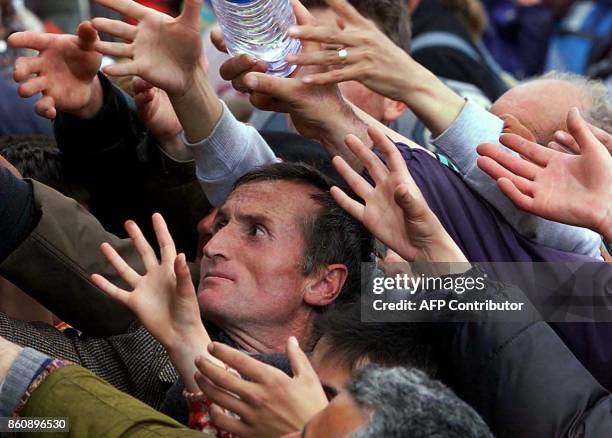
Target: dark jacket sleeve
126,173
54,262
133,362
525,382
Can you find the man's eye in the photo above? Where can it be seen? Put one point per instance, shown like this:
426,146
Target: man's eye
217,226
258,231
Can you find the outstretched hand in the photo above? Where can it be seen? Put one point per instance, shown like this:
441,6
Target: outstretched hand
371,57
269,403
573,189
64,71
162,50
164,298
394,210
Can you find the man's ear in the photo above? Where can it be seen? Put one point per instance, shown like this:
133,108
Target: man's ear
393,110
326,285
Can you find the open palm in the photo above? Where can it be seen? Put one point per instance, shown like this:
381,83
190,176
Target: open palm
394,210
574,189
164,299
64,69
163,50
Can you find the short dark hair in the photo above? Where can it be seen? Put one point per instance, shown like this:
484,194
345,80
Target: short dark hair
349,341
332,235
402,402
391,17
38,157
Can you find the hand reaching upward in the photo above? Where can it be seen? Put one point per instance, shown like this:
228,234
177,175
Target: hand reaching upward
64,71
162,50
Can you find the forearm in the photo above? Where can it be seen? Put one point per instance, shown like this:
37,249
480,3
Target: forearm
198,108
231,150
436,105
75,392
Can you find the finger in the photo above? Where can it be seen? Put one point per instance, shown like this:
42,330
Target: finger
512,125
300,365
534,152
122,69
272,86
118,50
497,171
45,107
325,35
110,289
347,11
602,136
139,85
228,423
239,65
302,15
32,86
336,76
167,249
579,129
356,182
142,246
87,35
560,148
184,283
393,157
29,40
216,37
329,57
116,28
514,164
246,366
124,270
413,205
348,204
268,103
26,67
225,380
518,198
221,397
376,168
191,13
567,141
128,8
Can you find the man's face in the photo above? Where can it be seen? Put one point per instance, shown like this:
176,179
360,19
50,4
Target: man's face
250,269
333,374
541,106
339,419
376,105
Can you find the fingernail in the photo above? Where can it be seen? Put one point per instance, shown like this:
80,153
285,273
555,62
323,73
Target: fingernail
294,31
294,341
291,58
211,347
307,79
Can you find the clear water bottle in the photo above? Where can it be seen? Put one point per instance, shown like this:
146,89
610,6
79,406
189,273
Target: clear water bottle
259,29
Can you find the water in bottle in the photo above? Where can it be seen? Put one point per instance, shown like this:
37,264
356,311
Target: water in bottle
259,29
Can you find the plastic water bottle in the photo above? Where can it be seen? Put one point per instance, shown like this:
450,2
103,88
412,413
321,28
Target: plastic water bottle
259,29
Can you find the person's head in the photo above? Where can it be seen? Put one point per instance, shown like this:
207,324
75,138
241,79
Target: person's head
391,17
281,252
37,157
395,403
346,344
541,104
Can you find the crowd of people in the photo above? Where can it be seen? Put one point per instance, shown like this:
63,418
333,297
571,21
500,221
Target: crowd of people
188,245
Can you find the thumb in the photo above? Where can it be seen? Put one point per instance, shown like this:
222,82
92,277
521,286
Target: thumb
184,284
87,34
300,365
302,16
414,207
191,13
280,88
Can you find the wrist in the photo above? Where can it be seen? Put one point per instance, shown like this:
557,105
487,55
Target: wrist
95,102
436,105
603,225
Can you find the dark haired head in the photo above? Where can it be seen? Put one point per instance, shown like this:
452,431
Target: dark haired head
331,235
37,157
349,342
391,17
